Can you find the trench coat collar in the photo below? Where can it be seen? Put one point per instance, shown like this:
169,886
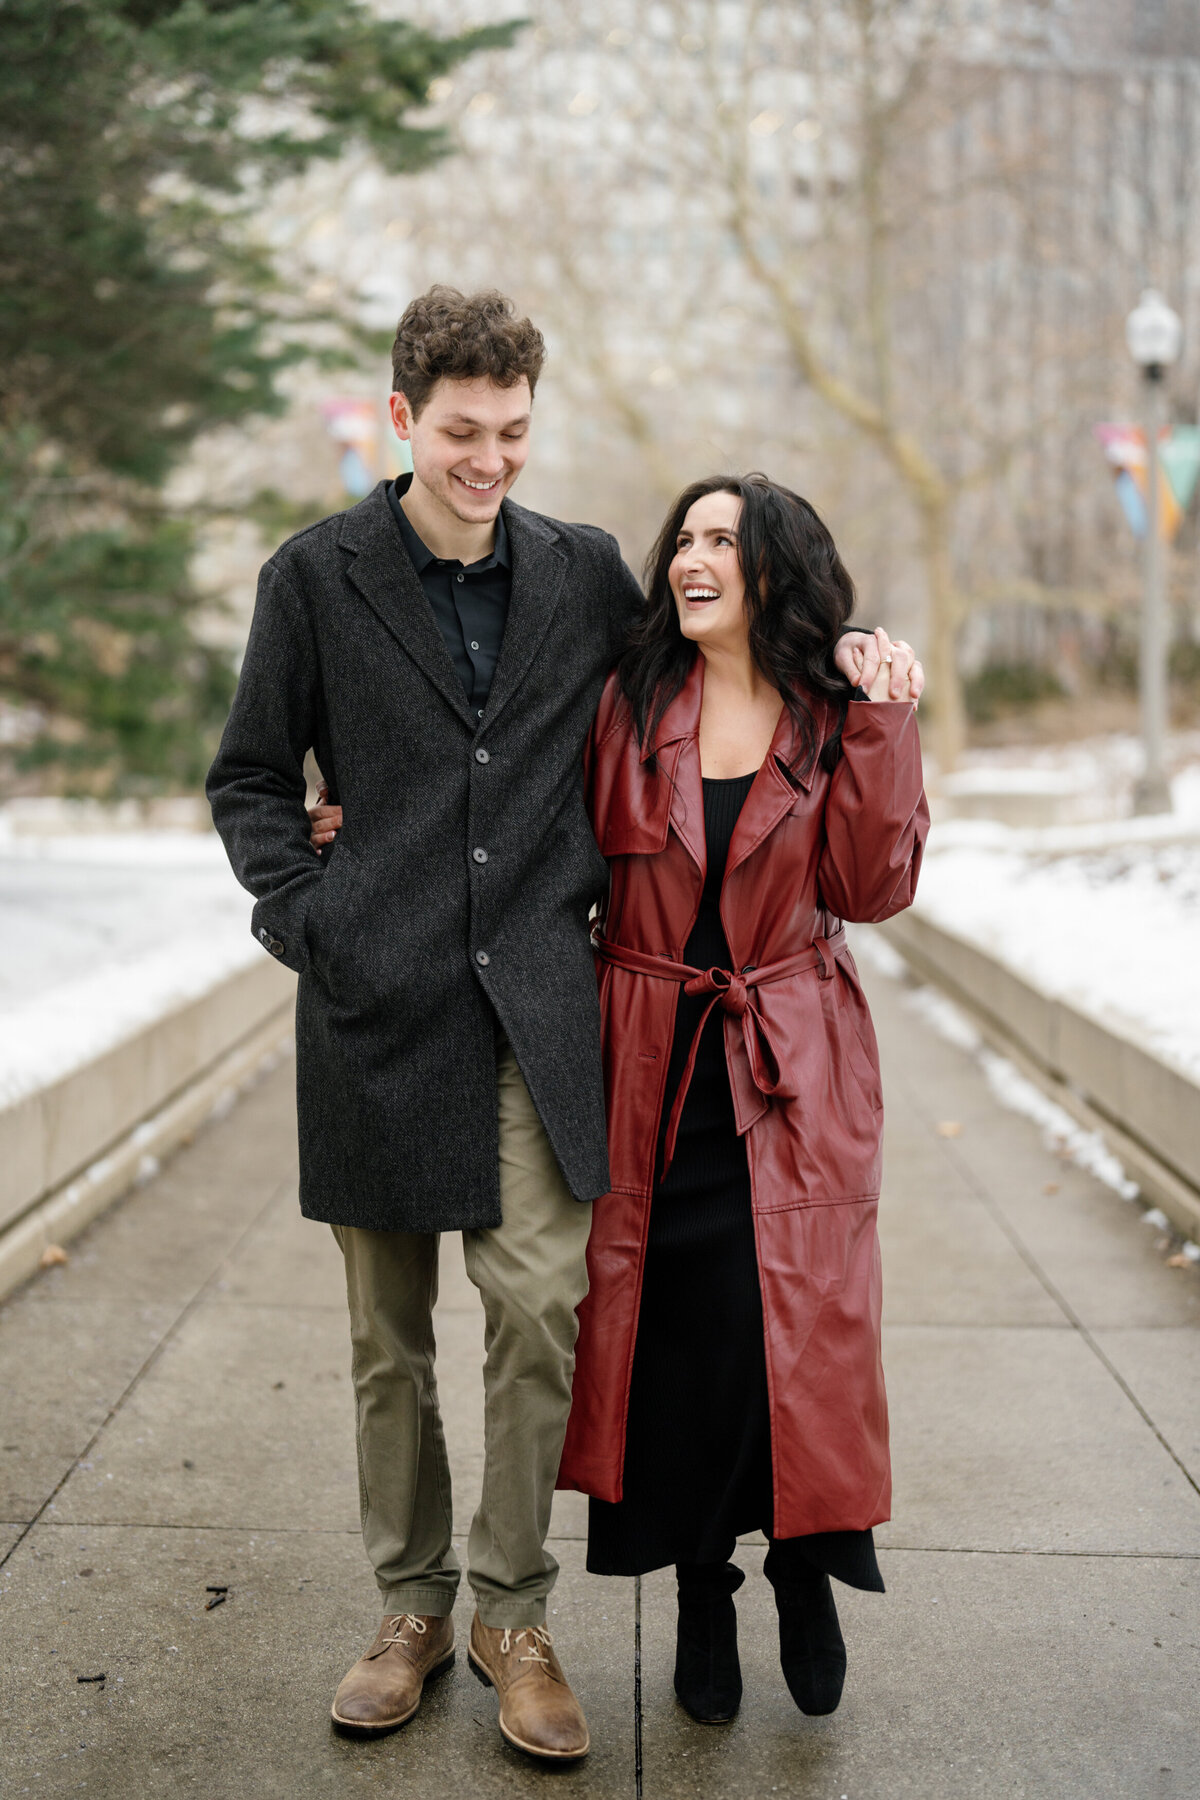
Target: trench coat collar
384,575
675,746
772,794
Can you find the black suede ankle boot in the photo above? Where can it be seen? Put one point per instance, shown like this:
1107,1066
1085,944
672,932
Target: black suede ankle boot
811,1648
708,1677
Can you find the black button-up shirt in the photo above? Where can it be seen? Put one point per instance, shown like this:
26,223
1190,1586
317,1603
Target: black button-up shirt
469,601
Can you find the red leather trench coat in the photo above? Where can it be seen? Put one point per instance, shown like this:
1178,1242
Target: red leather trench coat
809,851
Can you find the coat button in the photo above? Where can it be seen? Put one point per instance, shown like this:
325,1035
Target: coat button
482,756
474,645
480,856
482,958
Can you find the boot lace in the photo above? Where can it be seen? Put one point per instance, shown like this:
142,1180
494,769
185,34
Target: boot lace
411,1622
538,1638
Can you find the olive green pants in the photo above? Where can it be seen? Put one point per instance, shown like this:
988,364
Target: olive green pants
531,1273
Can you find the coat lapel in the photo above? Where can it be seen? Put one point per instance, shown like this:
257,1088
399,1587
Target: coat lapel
539,565
676,745
773,793
680,725
391,587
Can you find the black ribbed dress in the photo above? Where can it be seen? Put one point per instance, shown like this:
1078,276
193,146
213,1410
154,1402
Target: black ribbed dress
698,1441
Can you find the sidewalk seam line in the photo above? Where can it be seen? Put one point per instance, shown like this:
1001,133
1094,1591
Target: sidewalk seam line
986,1198
354,1531
144,1369
637,1687
351,1531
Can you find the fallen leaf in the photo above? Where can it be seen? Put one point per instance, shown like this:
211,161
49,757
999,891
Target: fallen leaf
949,1128
1179,1262
51,1256
1051,1187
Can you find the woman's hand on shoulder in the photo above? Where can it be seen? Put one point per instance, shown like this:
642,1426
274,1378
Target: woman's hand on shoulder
891,670
326,820
879,668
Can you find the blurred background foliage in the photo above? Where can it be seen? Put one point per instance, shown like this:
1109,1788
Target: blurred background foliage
883,248
139,309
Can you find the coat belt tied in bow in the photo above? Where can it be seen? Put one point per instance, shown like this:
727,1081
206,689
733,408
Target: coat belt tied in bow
733,991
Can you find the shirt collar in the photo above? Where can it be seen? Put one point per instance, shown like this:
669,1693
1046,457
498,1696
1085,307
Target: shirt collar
420,553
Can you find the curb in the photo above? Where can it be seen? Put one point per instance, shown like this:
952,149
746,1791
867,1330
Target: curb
108,1125
1147,1111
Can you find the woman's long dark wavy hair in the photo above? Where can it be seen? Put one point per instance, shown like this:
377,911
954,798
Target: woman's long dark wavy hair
798,597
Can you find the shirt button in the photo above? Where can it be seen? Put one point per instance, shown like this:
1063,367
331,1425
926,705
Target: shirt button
480,856
482,958
474,645
460,578
479,714
482,756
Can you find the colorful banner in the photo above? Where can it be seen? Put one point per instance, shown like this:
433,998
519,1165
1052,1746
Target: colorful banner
1179,455
354,424
1179,466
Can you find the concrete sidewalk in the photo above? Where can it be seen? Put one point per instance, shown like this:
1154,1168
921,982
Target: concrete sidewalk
175,1416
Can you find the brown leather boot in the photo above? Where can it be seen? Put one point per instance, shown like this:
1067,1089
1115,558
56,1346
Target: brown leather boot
383,1689
538,1711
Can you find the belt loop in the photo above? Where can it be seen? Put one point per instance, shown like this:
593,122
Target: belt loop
826,965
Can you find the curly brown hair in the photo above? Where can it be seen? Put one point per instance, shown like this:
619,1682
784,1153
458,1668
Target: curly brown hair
448,336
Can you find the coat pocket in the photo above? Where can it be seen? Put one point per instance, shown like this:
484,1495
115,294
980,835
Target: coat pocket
856,1037
325,925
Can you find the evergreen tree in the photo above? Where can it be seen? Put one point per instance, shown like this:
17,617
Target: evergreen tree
137,311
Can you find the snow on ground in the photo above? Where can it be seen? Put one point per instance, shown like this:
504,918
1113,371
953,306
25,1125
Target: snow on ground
1059,1130
104,933
1101,771
1104,915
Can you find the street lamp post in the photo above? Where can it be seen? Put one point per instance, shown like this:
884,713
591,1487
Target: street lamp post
1153,333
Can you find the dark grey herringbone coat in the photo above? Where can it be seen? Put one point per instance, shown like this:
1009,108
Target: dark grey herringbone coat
460,885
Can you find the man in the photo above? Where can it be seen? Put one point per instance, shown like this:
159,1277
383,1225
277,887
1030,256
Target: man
442,650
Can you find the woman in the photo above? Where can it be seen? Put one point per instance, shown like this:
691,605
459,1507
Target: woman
728,1373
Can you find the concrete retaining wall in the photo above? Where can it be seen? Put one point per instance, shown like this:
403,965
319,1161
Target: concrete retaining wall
1150,1111
70,1148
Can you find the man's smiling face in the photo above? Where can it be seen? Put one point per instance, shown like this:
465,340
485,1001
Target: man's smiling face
469,443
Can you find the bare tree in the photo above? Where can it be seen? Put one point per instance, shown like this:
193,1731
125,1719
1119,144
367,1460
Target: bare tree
726,212
865,243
